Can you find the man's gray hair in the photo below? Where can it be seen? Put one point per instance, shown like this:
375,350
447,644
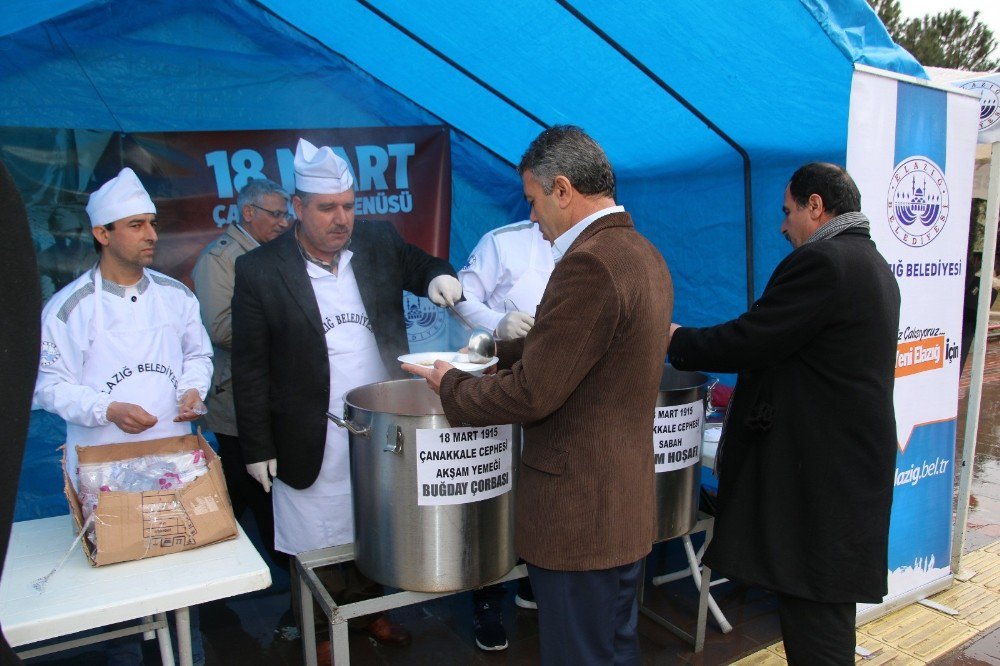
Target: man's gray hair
304,197
255,190
566,150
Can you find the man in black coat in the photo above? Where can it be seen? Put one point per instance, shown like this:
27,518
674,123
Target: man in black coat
808,450
317,312
280,366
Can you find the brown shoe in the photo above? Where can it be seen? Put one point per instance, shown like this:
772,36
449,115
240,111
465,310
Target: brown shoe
323,652
387,632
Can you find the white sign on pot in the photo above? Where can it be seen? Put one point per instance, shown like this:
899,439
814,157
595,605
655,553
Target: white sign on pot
463,465
677,436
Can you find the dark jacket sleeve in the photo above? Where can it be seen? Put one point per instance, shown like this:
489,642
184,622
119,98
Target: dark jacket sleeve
509,352
418,267
795,305
251,381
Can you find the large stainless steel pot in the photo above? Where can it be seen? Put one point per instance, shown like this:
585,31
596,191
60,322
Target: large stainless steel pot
677,490
397,542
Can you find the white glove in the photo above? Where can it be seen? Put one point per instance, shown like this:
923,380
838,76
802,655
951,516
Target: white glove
263,471
514,325
444,290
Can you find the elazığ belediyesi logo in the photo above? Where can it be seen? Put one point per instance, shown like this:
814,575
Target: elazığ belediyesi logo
424,320
989,102
917,201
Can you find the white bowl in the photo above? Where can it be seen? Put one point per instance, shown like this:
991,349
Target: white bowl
459,360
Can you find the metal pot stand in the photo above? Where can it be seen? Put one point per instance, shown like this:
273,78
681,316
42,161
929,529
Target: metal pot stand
310,587
702,577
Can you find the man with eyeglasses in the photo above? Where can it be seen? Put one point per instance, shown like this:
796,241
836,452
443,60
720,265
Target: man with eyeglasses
264,216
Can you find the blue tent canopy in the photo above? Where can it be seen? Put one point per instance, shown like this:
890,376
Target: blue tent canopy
775,77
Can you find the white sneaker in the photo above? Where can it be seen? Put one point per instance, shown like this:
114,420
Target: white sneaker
521,602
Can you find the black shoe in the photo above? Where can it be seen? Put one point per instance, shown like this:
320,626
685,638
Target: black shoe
488,626
287,630
525,598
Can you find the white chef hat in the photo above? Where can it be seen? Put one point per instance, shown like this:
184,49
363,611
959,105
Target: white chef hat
122,196
320,170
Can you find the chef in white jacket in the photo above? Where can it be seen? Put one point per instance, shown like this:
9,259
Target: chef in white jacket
504,279
503,282
125,356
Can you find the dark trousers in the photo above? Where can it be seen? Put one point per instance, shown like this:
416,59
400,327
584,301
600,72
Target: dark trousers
587,617
246,493
495,594
491,594
817,633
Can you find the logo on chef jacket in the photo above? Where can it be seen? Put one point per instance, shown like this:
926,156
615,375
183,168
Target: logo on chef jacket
989,102
49,355
423,319
470,264
917,201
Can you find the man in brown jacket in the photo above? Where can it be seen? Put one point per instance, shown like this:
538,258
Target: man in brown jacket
583,383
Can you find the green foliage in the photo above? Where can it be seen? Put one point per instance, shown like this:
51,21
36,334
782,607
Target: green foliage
891,14
946,39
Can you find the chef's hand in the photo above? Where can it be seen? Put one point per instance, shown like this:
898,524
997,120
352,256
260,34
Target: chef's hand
670,335
514,325
444,290
190,406
263,471
130,418
432,375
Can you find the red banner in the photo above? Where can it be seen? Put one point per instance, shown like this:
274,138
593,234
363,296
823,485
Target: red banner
401,174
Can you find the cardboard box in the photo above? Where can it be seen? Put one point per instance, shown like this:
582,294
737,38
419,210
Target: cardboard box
137,525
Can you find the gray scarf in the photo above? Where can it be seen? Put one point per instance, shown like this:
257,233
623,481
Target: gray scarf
836,225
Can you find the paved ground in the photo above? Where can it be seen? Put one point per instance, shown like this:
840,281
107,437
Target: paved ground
984,513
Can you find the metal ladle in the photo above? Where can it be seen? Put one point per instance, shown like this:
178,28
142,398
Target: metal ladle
482,346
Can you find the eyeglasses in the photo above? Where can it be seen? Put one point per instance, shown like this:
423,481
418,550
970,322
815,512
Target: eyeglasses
275,214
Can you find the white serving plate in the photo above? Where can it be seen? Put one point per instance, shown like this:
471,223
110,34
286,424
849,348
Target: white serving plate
457,359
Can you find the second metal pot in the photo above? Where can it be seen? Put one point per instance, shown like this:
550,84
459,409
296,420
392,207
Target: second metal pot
678,430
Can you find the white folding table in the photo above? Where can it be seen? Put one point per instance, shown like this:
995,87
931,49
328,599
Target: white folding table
80,597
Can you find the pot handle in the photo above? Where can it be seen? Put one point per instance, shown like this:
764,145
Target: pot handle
709,409
394,444
350,425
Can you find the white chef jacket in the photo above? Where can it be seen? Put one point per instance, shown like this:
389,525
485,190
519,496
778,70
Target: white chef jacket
144,344
507,270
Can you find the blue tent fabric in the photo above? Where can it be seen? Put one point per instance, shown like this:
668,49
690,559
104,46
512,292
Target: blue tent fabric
774,76
854,28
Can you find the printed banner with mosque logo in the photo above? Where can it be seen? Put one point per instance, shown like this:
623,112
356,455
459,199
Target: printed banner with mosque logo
911,150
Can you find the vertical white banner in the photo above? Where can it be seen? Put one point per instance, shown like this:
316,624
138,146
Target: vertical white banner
911,150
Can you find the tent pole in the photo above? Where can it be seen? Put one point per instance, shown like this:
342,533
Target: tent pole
978,362
747,207
324,47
